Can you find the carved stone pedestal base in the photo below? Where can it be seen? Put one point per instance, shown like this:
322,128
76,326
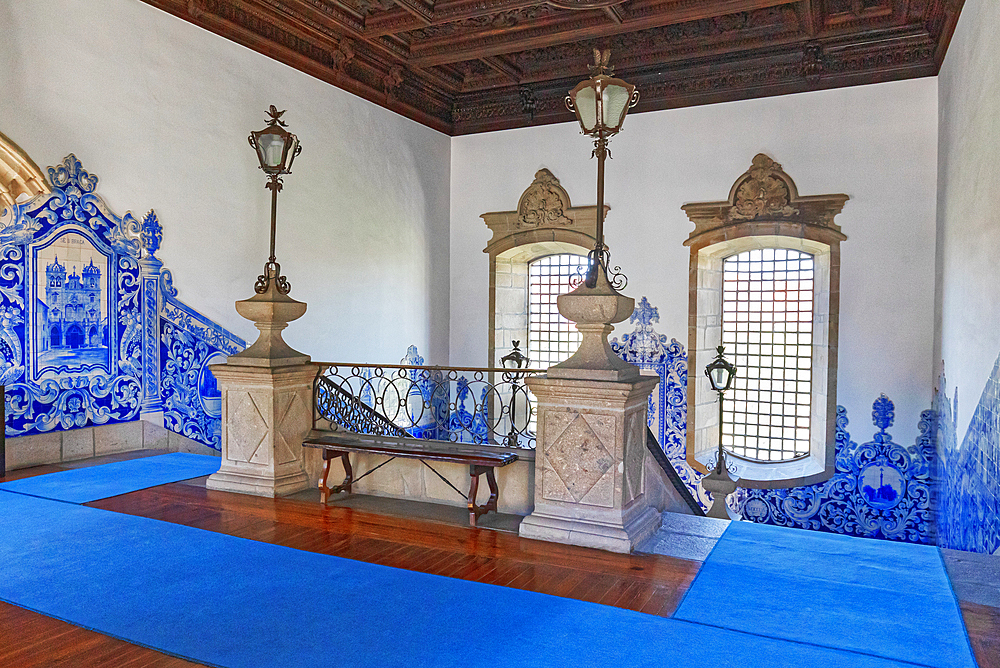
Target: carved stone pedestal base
589,465
721,486
266,416
266,404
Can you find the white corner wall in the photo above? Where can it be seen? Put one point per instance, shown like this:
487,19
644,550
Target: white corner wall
969,206
877,144
160,110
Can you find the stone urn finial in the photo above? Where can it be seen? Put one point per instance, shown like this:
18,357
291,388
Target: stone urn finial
594,310
270,311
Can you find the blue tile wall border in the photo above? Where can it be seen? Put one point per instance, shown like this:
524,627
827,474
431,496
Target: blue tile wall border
967,490
880,488
650,350
98,336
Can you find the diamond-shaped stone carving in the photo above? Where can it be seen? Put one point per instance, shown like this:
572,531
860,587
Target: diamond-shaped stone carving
246,426
291,427
634,454
579,457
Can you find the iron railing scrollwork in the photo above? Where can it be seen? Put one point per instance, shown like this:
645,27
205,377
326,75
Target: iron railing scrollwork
460,404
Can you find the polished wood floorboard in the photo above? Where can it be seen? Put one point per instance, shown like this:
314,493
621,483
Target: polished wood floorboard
650,584
983,624
637,582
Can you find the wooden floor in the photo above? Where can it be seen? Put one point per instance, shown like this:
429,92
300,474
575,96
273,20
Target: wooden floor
651,584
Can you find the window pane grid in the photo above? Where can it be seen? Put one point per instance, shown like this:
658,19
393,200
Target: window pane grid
551,337
767,327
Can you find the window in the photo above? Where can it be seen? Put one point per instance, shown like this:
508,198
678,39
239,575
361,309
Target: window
767,324
551,337
765,282
545,225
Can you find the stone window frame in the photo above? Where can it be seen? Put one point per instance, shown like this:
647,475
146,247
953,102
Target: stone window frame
544,223
764,210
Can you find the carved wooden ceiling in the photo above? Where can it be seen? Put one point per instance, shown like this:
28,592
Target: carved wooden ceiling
464,66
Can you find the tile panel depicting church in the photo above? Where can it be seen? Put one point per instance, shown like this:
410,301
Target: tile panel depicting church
97,352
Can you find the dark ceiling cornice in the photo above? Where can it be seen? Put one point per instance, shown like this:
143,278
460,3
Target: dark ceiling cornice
465,66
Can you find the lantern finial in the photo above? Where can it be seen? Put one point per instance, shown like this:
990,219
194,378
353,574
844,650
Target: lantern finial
275,116
601,63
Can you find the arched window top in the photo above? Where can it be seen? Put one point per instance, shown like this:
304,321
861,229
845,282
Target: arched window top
765,201
544,224
20,177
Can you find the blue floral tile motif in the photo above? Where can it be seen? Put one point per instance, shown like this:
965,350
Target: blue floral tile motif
880,489
189,343
647,349
967,493
81,301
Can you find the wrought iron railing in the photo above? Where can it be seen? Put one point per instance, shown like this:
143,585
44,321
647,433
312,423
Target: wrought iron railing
460,404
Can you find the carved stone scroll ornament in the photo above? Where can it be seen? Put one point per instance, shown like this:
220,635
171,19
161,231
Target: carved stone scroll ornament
543,203
762,192
765,201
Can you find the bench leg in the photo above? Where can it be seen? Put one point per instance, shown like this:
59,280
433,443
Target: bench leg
474,510
328,457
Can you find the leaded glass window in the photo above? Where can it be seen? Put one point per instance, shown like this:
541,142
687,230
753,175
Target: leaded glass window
768,329
551,337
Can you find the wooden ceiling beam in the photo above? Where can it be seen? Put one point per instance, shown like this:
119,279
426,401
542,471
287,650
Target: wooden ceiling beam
616,13
417,9
397,21
503,68
575,27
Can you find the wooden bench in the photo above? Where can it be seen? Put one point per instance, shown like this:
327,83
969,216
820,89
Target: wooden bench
480,460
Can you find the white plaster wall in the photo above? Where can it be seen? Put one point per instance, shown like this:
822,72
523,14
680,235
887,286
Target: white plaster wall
160,110
969,206
876,143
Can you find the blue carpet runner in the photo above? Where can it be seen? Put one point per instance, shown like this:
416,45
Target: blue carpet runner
99,482
886,598
227,601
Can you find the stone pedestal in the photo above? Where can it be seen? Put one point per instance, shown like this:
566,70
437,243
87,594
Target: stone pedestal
266,404
589,463
591,446
721,486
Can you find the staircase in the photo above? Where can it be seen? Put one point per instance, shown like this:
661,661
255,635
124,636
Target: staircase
684,536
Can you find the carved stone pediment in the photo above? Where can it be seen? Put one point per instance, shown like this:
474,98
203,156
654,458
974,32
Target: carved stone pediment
544,213
764,190
543,203
764,200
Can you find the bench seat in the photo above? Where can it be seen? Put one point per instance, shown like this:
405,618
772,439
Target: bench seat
480,460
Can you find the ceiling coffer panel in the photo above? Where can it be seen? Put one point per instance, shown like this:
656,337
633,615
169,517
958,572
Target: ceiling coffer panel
465,66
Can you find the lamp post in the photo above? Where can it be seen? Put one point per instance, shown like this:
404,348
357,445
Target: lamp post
515,359
721,373
600,104
276,149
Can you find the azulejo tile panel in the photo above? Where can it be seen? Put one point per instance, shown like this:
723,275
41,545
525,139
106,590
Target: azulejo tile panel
967,493
91,331
880,489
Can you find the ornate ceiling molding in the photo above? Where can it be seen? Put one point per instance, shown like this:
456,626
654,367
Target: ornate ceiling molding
464,66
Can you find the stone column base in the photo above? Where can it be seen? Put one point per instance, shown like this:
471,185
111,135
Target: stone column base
618,533
590,463
257,484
